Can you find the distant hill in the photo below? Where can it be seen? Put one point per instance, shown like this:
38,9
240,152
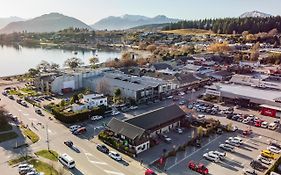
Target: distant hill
46,23
129,21
5,21
151,26
254,14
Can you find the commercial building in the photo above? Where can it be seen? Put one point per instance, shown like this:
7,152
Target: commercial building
265,99
90,101
139,131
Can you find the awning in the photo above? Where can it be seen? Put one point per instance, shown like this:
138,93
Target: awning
271,107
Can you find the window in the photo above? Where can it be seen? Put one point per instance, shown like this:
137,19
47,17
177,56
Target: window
101,101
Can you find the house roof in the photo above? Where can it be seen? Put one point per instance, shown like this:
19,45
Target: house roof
161,66
223,73
124,128
155,118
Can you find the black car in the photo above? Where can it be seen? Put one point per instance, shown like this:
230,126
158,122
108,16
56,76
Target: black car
275,144
235,117
257,165
103,148
68,143
11,97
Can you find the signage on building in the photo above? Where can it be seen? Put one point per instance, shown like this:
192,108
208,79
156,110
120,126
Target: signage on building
213,92
268,112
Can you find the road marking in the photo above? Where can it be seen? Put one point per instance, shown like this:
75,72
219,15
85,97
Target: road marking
96,162
193,153
113,172
20,110
25,114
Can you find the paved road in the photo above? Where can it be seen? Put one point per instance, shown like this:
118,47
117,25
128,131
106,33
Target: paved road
89,161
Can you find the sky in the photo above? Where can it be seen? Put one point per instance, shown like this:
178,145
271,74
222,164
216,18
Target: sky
90,11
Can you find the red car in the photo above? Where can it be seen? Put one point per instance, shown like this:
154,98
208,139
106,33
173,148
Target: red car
258,123
247,132
149,172
199,168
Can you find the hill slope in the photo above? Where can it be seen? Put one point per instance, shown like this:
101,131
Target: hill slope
5,21
129,21
254,14
46,23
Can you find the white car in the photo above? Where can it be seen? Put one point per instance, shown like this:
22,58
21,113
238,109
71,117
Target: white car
211,157
234,128
181,94
115,156
96,117
221,155
232,142
133,107
249,172
227,147
274,149
236,139
264,160
74,128
201,116
115,113
246,121
264,124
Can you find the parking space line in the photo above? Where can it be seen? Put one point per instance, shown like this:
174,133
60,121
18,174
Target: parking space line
194,152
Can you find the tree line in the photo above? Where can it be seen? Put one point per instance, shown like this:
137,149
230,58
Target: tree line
230,25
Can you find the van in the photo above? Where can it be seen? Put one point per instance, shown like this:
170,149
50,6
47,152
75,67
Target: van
66,160
272,126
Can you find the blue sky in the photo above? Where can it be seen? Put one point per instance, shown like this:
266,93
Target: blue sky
90,11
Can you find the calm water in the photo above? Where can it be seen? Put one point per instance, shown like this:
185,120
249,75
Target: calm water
17,61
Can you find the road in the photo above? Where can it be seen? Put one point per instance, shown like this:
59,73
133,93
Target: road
89,161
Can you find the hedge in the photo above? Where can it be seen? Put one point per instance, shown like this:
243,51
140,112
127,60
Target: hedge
72,117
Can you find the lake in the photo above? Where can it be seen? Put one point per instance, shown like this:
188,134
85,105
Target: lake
16,61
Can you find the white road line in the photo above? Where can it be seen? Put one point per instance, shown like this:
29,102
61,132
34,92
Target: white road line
193,153
25,114
113,172
96,162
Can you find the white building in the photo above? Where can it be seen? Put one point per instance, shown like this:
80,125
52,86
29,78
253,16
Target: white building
90,101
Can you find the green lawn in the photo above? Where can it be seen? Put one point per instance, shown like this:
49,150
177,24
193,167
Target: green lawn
5,127
52,155
31,135
18,160
29,91
8,136
43,167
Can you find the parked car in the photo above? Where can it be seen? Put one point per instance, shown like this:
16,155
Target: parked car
257,165
149,172
235,117
201,116
114,113
219,131
221,155
236,139
115,156
74,128
258,123
247,132
264,124
272,126
246,121
274,143
227,147
11,97
211,157
103,148
264,160
199,168
274,149
133,107
80,131
268,154
179,130
232,142
165,138
4,93
96,117
23,103
248,171
240,119
38,111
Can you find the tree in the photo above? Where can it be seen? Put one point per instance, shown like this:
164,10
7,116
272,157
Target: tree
200,131
151,47
62,103
229,126
93,61
117,92
255,52
43,66
33,72
73,62
219,47
54,66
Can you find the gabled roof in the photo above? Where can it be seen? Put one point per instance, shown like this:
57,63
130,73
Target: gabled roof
155,118
124,128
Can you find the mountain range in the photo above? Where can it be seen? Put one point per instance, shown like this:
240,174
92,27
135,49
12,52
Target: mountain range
254,14
130,21
5,21
46,23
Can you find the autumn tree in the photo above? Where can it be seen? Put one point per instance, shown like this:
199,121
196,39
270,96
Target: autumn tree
219,47
151,47
255,52
93,61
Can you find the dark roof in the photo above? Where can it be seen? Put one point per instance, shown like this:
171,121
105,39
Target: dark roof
152,119
124,128
223,73
162,66
183,78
